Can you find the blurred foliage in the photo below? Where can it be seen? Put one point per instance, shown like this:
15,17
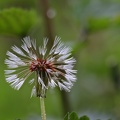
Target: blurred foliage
92,29
84,118
20,3
17,21
74,116
71,116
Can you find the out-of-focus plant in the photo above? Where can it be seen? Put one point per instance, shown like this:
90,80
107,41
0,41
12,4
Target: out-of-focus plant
74,116
17,21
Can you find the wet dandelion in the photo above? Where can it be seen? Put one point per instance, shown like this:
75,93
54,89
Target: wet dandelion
50,68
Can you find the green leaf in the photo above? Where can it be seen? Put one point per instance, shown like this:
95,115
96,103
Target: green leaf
84,118
73,116
17,21
66,116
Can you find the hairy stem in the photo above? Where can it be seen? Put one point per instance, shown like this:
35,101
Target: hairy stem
43,113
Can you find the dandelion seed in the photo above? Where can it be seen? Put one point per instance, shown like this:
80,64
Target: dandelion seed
52,68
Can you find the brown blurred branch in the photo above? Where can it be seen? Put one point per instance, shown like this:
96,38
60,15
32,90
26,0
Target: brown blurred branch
48,21
65,102
115,75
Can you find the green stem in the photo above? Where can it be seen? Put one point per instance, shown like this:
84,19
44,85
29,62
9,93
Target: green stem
43,114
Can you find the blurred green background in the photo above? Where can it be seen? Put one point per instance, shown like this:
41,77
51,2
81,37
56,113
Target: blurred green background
92,29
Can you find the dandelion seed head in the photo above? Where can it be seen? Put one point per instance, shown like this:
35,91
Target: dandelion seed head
52,68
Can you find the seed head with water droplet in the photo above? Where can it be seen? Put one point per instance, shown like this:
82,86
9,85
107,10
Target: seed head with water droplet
44,68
